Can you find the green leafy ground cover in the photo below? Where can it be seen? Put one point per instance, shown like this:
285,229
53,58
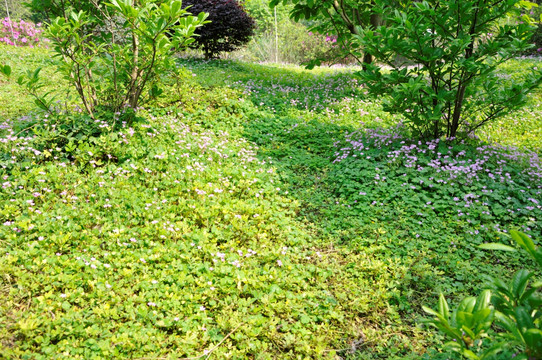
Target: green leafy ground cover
256,212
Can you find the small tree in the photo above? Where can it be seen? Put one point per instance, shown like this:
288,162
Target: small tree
230,27
113,57
448,83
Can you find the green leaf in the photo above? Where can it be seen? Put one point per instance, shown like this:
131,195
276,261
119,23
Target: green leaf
6,70
526,243
494,350
470,355
443,308
482,301
495,246
533,339
519,283
524,320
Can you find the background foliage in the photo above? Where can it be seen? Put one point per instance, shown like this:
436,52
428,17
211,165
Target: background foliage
230,26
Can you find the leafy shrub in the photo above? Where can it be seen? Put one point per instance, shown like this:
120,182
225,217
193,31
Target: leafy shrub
536,40
109,72
515,308
21,33
230,27
343,19
264,15
452,87
298,45
288,41
533,14
15,9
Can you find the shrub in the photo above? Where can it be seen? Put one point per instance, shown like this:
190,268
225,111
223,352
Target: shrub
230,27
515,308
536,40
21,33
298,45
118,64
533,14
15,9
456,46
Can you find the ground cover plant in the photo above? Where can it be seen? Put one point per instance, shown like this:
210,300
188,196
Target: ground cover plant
251,212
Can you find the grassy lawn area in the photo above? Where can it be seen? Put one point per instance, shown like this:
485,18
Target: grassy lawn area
255,212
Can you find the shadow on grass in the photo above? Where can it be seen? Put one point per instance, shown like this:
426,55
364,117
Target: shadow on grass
344,204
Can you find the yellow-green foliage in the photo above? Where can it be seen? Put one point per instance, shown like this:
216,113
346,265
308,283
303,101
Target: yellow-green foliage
220,221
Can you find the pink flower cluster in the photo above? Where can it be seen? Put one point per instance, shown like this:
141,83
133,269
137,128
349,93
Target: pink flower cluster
20,33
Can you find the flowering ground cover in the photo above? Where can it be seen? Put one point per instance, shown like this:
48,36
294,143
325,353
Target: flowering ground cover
257,212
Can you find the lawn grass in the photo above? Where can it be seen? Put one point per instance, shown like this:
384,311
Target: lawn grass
271,212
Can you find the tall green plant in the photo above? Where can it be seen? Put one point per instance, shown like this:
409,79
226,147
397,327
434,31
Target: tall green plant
114,60
443,59
515,310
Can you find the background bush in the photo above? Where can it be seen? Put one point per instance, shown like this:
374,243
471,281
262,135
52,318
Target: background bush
288,41
20,33
15,8
230,26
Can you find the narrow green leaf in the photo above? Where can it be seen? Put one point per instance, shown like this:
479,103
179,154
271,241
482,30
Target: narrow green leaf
443,307
483,300
495,246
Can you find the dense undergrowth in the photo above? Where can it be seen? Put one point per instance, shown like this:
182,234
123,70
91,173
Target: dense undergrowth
255,212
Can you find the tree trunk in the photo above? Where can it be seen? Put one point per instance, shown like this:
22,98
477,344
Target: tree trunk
374,22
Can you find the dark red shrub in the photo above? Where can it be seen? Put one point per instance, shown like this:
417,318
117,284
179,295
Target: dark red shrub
230,27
